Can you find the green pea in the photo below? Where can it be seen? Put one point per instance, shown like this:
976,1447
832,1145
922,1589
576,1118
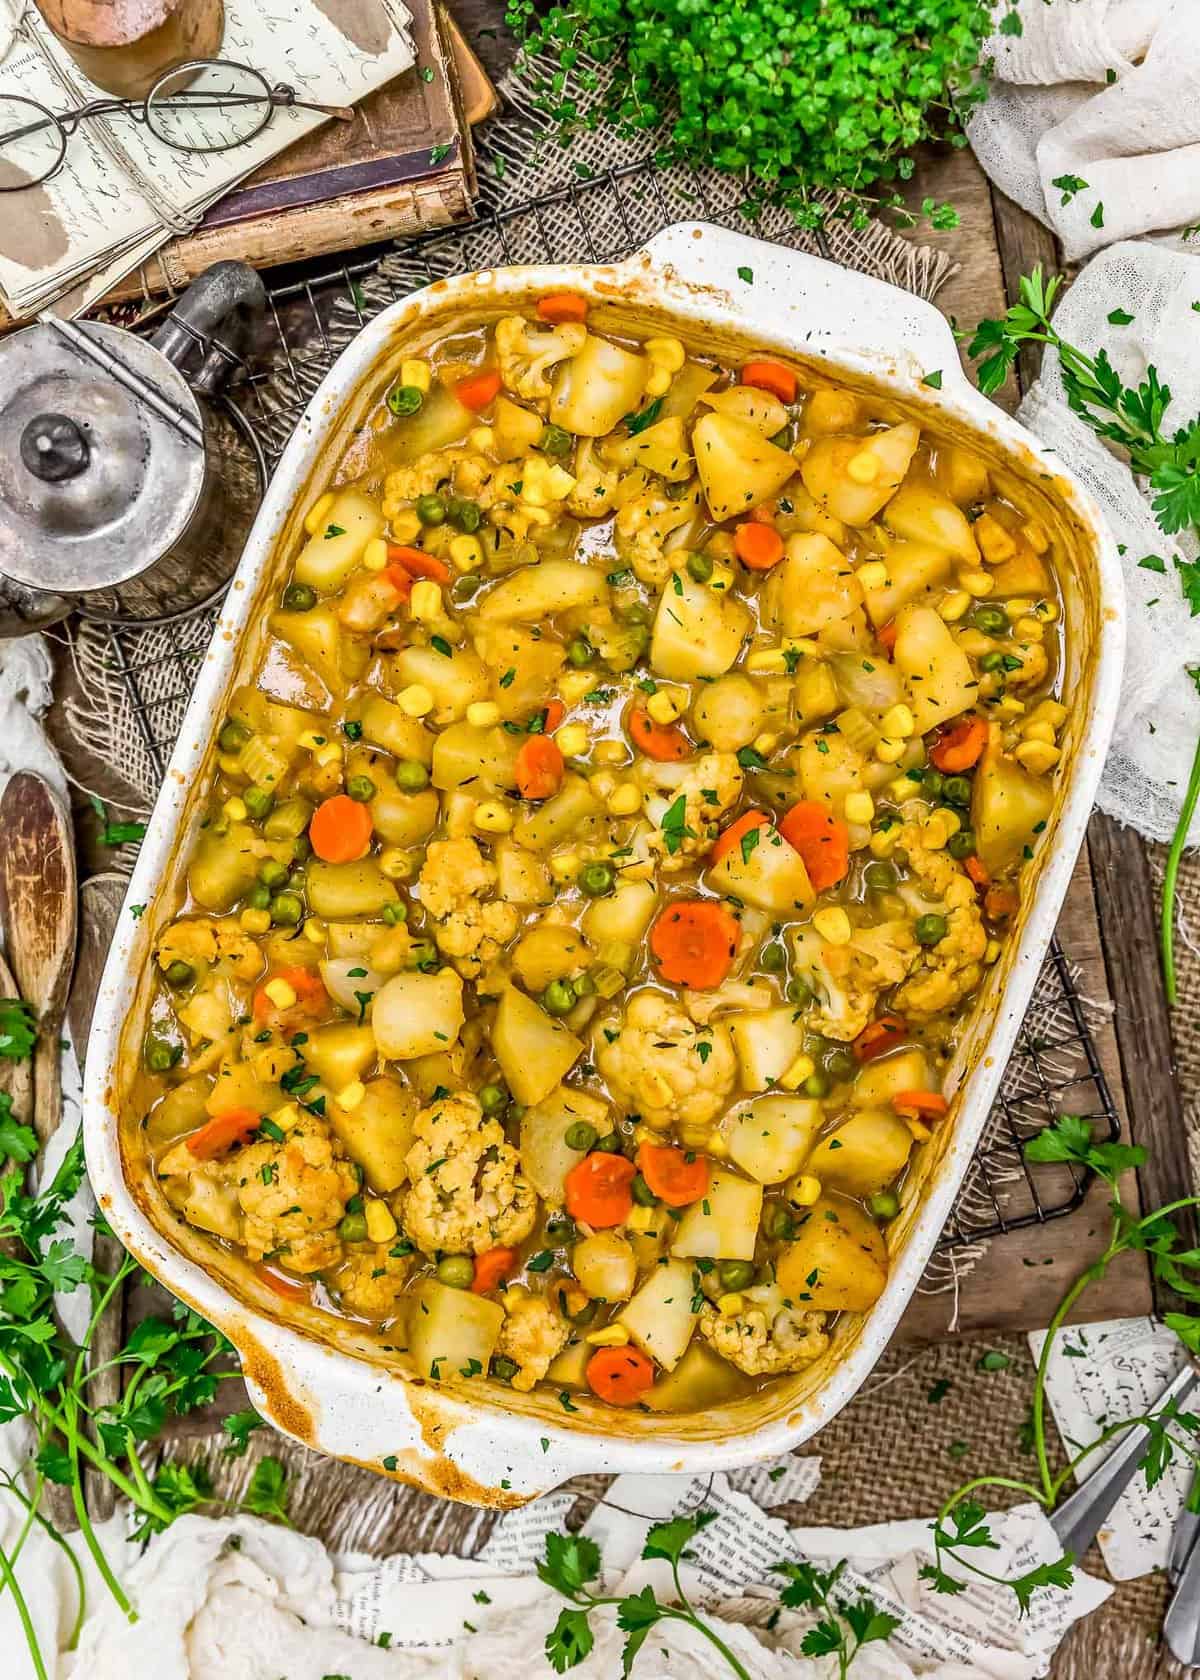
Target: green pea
555,441
394,913
258,801
179,973
962,844
404,400
422,954
884,1204
799,992
464,587
271,873
580,1136
558,998
411,775
580,651
584,986
504,1368
773,959
609,1144
816,1085
931,929
287,909
299,597
993,621
456,1271
160,1056
777,1222
840,1064
993,660
233,736
258,897
431,510
957,790
464,515
493,1098
597,878
700,567
880,876
352,1227
736,1274
642,1193
932,783
361,788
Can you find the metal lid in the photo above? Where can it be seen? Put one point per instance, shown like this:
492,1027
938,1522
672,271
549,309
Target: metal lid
96,481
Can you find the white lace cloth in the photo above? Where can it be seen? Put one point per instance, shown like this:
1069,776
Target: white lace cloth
1108,92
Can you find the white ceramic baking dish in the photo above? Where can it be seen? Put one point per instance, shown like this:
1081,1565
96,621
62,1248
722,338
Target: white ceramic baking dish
325,1381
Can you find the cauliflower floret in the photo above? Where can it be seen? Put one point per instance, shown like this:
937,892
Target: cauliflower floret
767,1336
1034,664
953,967
453,880
651,526
371,1279
596,486
203,942
847,979
468,472
533,1334
660,1065
468,1193
527,353
708,786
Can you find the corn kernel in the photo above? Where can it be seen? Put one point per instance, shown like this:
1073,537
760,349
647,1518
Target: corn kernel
1052,712
1030,629
396,863
573,685
572,740
626,800
883,841
872,574
255,921
888,750
381,1222
603,784
995,544
612,1335
898,721
716,1146
350,1096
974,642
287,1118
801,1069
330,753
312,740
729,1306
643,1219
314,930
415,372
375,555
1038,729
918,1128
425,602
405,525
952,607
667,352
1037,756
1009,706
977,584
863,468
466,553
482,714
318,513
492,818
768,660
229,762
833,924
937,829
481,438
766,742
658,382
1047,611
565,866
235,809
1035,535
992,951
281,993
610,752
415,701
723,580
662,707
805,1190
859,807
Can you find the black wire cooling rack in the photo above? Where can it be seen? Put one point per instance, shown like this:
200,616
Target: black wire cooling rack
1054,1069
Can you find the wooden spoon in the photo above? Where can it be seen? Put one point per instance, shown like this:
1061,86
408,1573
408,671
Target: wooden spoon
38,911
16,1078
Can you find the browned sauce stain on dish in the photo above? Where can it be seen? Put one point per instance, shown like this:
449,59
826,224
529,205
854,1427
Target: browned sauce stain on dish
362,22
264,1370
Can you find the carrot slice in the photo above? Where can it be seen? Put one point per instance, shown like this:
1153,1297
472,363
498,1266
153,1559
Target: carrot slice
417,563
477,390
665,742
694,942
886,636
882,1034
620,1375
597,1189
555,713
978,871
562,306
491,1268
1000,903
340,830
291,1289
822,841
539,767
216,1136
676,1176
731,836
311,996
757,545
773,377
961,747
930,1105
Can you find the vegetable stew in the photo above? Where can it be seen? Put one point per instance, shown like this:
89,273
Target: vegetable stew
634,786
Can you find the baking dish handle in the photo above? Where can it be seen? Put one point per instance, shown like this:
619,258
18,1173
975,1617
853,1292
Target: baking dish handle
815,303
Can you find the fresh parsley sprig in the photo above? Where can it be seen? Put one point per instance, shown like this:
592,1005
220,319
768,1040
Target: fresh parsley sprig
844,1625
1131,417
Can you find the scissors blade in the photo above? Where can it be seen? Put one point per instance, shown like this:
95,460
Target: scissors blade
1183,1540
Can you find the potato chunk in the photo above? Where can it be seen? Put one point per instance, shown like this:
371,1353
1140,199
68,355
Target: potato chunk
1007,806
660,1318
451,1332
772,876
698,631
724,1224
328,558
862,1155
538,592
826,473
418,1014
738,467
813,588
770,1138
546,1156
377,1134
535,1051
940,679
838,1260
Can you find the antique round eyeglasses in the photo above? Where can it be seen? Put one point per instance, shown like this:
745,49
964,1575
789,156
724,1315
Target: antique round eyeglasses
203,105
